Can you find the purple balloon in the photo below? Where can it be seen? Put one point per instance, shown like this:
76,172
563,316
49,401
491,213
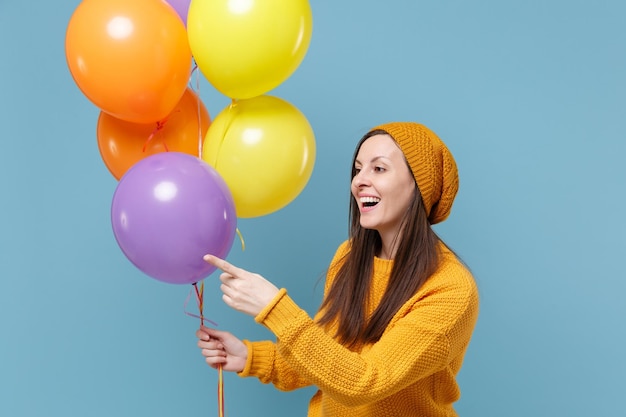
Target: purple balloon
168,211
181,7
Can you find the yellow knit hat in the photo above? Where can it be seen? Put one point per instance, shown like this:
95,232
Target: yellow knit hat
432,164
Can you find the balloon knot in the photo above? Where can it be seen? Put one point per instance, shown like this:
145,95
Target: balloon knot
159,126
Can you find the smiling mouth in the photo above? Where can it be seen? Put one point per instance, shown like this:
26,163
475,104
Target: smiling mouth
369,201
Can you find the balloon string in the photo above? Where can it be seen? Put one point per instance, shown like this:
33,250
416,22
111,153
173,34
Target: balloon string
243,244
200,138
201,317
220,390
231,111
220,372
200,298
159,125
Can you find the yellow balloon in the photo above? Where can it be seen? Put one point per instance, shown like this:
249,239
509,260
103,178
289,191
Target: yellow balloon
264,149
245,48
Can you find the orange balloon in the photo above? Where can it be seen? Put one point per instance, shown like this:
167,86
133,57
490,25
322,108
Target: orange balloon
131,58
122,144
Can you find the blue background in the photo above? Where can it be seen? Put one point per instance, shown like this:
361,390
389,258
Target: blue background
530,98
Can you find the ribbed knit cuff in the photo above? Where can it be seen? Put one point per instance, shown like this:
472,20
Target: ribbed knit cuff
281,314
260,359
261,316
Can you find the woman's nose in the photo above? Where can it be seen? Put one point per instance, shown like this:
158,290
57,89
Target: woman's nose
361,178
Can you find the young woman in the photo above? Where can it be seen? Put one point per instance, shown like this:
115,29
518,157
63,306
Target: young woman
399,307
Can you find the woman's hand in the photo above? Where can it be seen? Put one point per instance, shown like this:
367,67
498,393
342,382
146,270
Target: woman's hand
244,291
222,348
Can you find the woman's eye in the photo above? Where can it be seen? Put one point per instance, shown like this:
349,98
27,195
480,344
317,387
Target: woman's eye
379,169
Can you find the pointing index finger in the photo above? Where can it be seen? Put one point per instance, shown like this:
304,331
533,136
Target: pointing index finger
221,264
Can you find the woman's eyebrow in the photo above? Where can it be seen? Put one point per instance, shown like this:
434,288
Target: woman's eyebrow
374,159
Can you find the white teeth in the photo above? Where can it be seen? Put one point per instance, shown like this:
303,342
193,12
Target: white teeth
369,200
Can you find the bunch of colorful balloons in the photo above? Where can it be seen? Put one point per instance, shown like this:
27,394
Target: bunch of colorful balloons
184,179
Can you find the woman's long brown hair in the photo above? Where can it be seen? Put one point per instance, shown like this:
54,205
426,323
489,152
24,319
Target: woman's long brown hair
416,259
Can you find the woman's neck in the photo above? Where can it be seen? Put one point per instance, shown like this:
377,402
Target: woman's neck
388,250
389,244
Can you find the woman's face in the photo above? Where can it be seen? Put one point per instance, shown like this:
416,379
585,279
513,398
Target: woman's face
383,186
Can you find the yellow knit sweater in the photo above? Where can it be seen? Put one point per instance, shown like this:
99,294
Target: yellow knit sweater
410,371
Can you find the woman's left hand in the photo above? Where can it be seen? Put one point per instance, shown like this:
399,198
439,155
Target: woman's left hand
244,291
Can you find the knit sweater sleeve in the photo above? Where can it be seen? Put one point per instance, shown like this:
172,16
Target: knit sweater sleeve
265,362
431,330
